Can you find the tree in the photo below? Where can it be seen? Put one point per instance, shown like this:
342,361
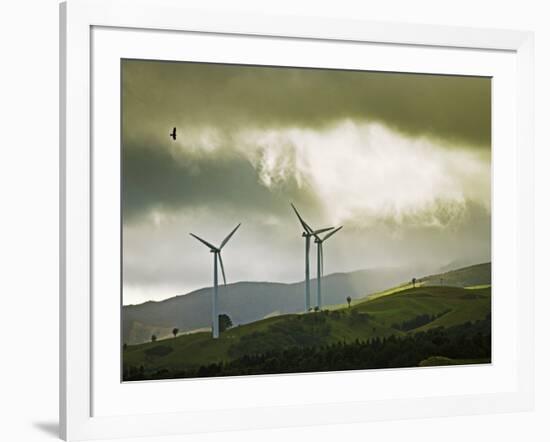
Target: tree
153,338
225,322
414,282
349,301
175,331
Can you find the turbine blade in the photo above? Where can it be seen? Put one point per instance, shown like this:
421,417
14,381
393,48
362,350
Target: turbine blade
228,237
316,233
221,265
328,235
326,229
206,243
302,222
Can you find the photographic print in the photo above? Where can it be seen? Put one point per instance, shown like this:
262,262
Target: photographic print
297,220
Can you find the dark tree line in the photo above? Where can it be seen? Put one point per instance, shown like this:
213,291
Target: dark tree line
418,321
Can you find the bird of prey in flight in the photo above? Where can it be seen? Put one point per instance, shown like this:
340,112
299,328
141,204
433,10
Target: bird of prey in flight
173,134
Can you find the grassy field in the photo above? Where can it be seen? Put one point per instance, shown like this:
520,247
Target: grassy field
397,312
453,305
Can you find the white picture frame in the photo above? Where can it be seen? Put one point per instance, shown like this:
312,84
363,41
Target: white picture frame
79,378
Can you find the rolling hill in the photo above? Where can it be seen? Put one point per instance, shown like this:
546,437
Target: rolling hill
246,302
438,314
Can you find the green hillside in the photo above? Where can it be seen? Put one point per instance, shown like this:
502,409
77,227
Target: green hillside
479,274
402,313
450,306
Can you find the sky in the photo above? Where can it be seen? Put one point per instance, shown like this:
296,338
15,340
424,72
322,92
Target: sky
402,161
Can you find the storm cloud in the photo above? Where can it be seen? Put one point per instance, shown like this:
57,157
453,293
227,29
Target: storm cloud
453,108
403,161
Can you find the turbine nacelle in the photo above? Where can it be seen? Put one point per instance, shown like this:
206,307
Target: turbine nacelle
319,240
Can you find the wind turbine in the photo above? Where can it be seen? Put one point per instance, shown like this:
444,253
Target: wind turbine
320,260
307,234
217,256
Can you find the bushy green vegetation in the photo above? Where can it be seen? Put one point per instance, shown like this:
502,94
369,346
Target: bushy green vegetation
436,361
418,321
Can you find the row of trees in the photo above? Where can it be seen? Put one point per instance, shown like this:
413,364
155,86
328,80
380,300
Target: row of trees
418,321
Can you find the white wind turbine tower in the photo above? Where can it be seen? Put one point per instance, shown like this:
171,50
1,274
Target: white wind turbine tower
320,261
307,234
217,256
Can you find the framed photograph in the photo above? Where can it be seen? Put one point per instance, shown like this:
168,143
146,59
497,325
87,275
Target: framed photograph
311,221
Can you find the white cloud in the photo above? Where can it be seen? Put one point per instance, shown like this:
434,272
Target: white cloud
369,170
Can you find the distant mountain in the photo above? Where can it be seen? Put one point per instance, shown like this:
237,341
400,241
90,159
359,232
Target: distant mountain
246,302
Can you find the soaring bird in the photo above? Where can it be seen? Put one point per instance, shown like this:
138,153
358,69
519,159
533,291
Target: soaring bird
173,134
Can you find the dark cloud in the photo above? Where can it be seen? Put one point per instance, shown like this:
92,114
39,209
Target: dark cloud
158,94
156,178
